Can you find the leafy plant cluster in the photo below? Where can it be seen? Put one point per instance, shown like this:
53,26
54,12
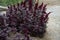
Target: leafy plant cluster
25,18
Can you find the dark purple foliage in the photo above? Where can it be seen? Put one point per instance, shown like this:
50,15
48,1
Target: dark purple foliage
25,18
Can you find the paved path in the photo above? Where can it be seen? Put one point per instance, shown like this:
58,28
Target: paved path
50,2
